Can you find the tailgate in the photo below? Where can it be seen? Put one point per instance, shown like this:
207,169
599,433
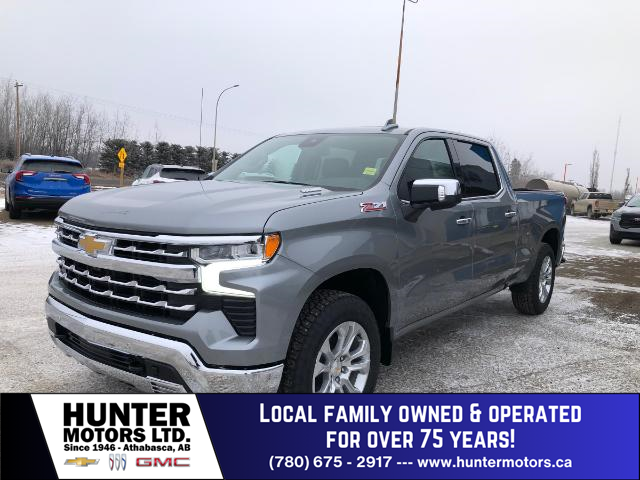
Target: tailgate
53,184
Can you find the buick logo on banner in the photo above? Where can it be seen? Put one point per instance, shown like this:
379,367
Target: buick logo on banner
117,460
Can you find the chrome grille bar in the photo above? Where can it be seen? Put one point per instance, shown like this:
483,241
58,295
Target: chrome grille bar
158,251
131,299
133,283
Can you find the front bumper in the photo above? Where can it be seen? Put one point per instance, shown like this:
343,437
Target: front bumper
624,232
177,356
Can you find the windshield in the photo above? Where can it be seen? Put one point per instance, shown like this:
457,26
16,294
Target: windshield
333,161
182,174
634,202
51,166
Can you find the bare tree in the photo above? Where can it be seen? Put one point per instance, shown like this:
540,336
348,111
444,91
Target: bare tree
594,170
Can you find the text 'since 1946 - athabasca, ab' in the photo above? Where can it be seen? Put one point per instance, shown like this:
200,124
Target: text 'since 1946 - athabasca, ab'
297,266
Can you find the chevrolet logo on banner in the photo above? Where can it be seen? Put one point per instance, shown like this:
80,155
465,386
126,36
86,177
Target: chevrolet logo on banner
92,245
81,461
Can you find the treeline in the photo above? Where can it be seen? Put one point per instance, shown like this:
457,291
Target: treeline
141,155
56,126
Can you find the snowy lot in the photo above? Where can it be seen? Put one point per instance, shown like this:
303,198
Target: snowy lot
587,341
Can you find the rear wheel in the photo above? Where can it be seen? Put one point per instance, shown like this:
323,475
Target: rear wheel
14,212
335,347
590,213
532,297
614,238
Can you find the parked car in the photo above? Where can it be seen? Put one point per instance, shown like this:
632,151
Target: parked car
625,222
157,173
594,205
297,266
43,182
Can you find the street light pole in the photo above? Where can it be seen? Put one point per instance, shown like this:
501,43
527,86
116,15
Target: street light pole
18,85
395,102
564,178
615,154
214,162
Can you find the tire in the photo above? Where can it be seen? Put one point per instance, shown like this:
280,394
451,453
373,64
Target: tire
613,237
527,297
572,211
326,316
14,213
590,213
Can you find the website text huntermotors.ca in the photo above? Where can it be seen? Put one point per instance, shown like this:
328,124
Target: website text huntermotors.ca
485,462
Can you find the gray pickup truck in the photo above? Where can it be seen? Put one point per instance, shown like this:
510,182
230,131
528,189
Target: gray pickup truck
297,266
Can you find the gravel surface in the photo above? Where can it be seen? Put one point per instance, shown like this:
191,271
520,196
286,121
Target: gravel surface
587,341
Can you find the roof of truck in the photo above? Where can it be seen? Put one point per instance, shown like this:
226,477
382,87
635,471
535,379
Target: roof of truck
399,130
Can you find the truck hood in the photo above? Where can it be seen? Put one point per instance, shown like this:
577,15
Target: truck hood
192,208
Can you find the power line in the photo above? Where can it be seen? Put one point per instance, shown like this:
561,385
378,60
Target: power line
142,110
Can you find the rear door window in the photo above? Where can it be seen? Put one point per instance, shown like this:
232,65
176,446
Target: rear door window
479,175
430,159
51,166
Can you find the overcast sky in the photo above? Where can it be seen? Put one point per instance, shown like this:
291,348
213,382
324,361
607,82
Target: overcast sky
549,78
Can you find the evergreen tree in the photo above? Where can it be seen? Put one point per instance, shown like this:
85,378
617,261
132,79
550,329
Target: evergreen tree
162,153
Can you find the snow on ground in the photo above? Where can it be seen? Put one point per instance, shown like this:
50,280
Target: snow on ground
590,238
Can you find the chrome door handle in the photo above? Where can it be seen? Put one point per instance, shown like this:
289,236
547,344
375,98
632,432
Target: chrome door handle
463,221
510,214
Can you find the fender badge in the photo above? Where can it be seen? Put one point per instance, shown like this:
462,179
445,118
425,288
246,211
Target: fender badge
366,207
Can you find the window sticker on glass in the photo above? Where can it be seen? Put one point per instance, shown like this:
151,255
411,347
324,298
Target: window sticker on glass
369,171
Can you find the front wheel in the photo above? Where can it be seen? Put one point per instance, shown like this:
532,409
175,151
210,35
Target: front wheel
532,297
614,238
335,347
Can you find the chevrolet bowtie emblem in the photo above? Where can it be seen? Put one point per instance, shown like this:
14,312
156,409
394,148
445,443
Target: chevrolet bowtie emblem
81,461
91,245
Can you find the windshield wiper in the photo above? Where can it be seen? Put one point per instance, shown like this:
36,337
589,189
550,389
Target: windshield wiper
285,182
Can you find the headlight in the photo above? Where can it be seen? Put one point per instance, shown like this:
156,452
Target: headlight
263,250
216,259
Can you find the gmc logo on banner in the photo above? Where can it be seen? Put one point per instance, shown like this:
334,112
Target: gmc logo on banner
160,462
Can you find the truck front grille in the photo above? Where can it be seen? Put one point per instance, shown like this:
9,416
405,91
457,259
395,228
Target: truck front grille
132,292
630,220
127,248
151,275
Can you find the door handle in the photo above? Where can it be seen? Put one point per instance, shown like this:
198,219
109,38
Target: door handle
510,214
463,221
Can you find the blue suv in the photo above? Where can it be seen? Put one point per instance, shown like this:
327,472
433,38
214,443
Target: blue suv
43,182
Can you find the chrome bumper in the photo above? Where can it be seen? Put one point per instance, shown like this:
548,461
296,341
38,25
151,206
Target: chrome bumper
183,358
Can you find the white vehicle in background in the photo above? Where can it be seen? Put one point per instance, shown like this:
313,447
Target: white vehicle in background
157,173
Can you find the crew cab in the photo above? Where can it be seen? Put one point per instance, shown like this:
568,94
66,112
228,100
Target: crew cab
157,173
297,266
594,205
43,182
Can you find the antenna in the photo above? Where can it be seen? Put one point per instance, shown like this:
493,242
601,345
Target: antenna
390,125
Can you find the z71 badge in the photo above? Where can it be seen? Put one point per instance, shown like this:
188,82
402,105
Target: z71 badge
373,206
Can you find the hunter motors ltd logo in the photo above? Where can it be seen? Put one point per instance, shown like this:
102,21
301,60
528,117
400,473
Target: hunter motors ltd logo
81,461
117,460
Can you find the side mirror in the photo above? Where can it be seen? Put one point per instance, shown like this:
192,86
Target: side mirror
435,193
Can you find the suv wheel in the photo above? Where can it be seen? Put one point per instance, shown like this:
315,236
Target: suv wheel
613,236
532,297
335,347
14,213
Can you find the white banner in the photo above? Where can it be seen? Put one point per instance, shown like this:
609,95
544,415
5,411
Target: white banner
127,436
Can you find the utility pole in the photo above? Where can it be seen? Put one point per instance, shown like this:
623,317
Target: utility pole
395,102
615,154
18,85
201,100
214,161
